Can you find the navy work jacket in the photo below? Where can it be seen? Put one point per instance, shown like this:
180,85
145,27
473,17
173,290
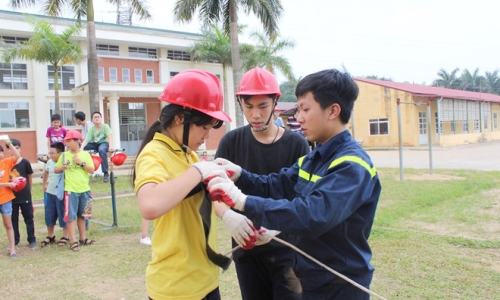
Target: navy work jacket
328,199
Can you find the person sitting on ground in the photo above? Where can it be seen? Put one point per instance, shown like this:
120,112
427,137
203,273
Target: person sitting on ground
99,139
54,208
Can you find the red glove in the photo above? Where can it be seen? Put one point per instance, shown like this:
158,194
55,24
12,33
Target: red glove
223,190
252,238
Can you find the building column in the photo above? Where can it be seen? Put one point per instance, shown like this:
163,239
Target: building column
114,120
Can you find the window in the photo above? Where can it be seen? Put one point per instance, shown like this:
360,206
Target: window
13,39
465,127
110,50
142,52
172,74
68,110
476,125
100,74
379,126
125,75
113,75
495,121
13,76
178,55
138,75
439,129
149,76
66,77
14,115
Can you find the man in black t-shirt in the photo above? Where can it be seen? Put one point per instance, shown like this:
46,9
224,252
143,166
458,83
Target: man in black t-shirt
23,199
262,147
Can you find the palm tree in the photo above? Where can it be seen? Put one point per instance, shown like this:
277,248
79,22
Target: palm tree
81,9
212,11
46,46
447,80
216,47
266,55
471,81
492,82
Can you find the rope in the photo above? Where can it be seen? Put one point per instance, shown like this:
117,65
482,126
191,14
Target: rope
329,269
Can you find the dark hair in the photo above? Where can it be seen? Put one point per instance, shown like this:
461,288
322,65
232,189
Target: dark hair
166,119
329,87
58,146
55,117
15,142
80,116
96,112
1,148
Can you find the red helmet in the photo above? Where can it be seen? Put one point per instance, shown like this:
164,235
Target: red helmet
258,81
119,158
97,161
20,184
196,89
73,134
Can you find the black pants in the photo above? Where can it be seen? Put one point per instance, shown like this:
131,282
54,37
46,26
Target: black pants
268,276
27,211
337,289
213,295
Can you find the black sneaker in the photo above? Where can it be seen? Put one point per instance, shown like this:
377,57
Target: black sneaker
106,177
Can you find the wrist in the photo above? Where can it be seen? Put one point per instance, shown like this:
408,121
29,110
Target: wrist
199,171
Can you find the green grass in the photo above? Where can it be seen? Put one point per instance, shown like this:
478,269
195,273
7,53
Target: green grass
432,239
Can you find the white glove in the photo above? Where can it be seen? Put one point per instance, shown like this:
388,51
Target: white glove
264,236
233,171
206,168
223,190
240,228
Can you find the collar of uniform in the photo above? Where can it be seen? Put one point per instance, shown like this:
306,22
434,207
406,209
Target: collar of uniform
170,142
333,144
173,145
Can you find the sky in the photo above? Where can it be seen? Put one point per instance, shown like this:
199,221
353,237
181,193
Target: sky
405,40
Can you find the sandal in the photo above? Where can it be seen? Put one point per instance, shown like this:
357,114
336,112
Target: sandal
48,240
74,247
62,242
87,242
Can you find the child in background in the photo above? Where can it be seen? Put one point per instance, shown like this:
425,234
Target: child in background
77,167
54,208
6,194
56,132
22,198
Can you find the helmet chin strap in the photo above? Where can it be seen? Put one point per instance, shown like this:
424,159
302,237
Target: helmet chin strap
185,135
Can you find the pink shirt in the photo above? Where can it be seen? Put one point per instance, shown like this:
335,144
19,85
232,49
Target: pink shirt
56,135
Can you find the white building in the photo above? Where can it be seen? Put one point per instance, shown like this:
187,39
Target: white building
135,63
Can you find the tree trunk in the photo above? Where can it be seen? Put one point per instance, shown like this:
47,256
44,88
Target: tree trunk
92,60
57,109
235,58
226,95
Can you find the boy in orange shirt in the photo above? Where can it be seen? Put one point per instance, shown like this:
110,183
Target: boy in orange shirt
6,194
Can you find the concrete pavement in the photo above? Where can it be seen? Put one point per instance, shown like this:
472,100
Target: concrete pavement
480,156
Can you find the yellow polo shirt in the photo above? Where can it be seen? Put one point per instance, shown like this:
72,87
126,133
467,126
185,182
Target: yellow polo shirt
179,267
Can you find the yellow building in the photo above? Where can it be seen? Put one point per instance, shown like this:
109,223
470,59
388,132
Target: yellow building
456,117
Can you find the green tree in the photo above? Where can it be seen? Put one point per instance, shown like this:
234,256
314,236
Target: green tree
46,46
266,55
216,47
81,9
212,11
447,80
379,78
287,89
492,82
471,81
